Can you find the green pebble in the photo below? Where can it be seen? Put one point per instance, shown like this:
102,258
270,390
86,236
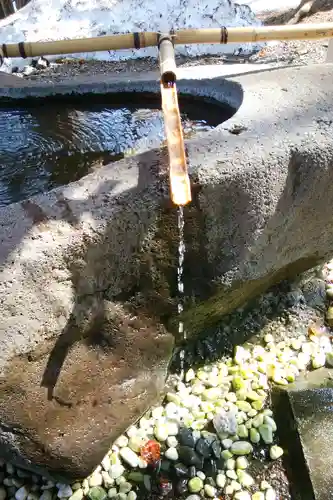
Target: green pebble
245,479
238,383
244,406
248,424
254,436
242,431
258,420
97,493
241,395
258,496
258,405
195,485
329,358
275,452
241,448
135,476
253,396
242,463
266,433
226,454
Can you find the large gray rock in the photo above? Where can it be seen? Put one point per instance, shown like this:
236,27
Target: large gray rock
77,262
305,422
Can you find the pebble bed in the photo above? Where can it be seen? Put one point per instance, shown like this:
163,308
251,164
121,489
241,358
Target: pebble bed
212,425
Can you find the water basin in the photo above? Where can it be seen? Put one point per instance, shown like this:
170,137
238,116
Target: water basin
45,144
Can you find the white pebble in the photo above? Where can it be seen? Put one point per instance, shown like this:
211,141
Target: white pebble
209,490
122,496
121,441
318,360
190,375
120,480
161,432
129,456
131,431
275,452
231,474
157,412
106,464
270,494
172,428
22,493
171,454
95,480
221,480
116,471
64,492
226,443
125,487
242,495
77,495
172,442
107,480
113,493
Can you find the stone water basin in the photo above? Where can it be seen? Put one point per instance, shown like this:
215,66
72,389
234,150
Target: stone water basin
46,145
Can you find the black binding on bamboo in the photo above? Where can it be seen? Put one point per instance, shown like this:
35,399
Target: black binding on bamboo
224,35
4,50
22,50
136,38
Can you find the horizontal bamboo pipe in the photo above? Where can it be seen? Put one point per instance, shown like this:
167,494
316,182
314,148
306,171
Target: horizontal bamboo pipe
180,37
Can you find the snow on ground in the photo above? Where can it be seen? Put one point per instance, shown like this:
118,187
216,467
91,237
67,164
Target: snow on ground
44,20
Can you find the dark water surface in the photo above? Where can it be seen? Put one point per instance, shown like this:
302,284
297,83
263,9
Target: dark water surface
48,144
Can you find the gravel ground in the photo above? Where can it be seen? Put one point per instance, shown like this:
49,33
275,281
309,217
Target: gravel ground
276,53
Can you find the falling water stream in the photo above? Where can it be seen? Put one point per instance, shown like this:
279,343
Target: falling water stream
181,254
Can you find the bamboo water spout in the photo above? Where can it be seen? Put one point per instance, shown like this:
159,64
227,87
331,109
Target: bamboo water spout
181,37
179,180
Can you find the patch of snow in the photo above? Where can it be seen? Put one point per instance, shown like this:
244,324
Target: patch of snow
43,20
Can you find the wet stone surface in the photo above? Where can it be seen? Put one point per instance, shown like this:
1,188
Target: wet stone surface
50,143
305,413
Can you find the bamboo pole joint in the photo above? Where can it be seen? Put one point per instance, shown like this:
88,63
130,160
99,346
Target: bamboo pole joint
167,58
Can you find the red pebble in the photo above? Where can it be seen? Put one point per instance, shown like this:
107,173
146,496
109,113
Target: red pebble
151,452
